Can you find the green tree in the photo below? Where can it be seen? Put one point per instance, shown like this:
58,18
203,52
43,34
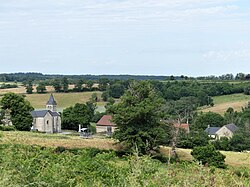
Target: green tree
116,90
29,87
209,155
78,114
19,110
137,116
94,98
204,120
232,116
78,85
41,88
105,96
65,84
89,84
103,84
57,85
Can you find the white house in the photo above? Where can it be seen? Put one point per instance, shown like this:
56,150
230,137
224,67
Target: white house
219,132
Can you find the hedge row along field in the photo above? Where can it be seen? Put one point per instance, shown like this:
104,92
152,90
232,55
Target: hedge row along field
26,165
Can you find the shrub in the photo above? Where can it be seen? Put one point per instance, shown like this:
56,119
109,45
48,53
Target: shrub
7,128
209,155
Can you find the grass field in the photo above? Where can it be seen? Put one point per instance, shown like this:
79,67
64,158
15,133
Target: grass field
63,99
54,140
222,103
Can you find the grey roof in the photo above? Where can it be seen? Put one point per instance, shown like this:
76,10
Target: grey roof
232,127
212,130
42,113
51,100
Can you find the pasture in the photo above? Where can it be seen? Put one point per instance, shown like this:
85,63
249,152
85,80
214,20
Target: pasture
64,100
222,103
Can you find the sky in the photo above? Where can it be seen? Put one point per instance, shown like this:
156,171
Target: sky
141,37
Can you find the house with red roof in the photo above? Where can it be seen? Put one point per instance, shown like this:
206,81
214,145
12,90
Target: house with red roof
105,124
184,126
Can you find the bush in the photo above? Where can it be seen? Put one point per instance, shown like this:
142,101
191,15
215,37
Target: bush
7,128
208,155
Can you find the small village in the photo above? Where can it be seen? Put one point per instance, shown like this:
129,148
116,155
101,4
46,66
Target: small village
124,93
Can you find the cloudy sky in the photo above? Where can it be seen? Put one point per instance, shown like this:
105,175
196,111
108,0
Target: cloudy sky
156,37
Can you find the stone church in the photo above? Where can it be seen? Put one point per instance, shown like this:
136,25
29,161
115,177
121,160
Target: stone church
48,120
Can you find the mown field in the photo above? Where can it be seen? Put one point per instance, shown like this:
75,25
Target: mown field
222,103
34,159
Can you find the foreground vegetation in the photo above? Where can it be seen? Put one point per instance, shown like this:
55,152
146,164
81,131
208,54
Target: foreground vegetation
32,165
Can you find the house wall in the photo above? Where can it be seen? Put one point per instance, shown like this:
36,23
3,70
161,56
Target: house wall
102,128
224,132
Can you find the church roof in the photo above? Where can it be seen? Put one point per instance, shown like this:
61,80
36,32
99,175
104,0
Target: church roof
42,113
51,100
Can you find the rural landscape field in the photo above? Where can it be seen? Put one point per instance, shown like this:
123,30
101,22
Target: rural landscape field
111,160
124,93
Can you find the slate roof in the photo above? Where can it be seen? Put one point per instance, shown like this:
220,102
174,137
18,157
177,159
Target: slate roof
42,113
106,121
212,130
232,127
51,100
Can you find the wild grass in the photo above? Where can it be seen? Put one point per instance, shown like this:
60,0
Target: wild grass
56,140
235,159
23,165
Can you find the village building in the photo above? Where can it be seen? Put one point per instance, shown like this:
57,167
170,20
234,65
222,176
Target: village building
219,132
106,125
48,120
183,126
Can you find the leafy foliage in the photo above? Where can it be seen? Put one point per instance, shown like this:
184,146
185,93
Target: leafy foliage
40,166
209,155
204,120
138,119
78,114
19,110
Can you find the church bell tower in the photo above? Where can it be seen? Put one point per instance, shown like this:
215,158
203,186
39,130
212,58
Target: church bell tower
51,104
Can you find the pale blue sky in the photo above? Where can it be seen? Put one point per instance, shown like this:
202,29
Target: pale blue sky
156,37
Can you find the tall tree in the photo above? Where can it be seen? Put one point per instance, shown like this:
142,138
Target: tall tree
41,88
103,83
137,116
57,85
89,84
19,110
78,85
29,87
65,84
78,114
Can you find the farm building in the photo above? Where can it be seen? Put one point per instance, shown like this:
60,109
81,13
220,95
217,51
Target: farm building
105,124
48,120
184,126
219,132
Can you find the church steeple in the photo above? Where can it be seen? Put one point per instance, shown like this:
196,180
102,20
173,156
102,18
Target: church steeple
51,104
